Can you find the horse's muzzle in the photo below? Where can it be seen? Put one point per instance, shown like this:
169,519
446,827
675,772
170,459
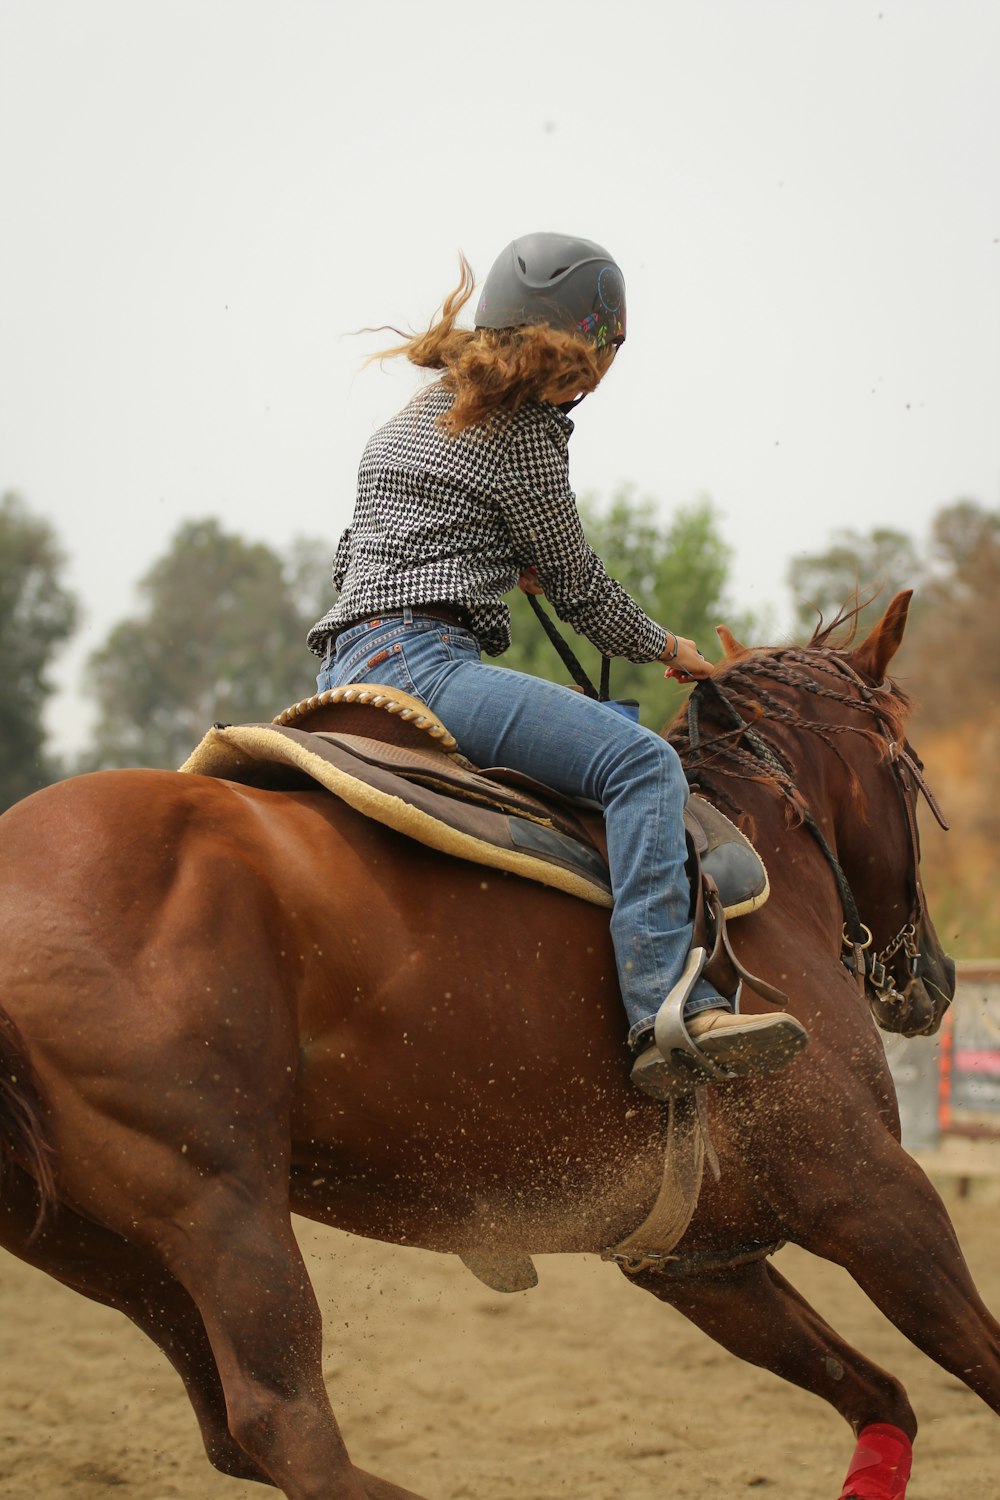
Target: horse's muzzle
920,1010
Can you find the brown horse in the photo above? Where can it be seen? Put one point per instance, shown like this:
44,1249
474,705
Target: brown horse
222,1005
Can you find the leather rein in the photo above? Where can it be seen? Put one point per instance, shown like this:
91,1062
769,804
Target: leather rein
871,970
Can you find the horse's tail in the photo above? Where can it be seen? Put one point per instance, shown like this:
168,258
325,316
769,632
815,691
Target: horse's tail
22,1135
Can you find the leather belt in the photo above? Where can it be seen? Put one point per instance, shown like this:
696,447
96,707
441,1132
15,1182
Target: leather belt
449,614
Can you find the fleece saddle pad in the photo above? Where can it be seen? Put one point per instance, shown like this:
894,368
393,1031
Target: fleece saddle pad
384,754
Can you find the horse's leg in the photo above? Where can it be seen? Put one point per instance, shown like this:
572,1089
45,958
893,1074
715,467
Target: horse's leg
239,1259
890,1229
101,1265
752,1311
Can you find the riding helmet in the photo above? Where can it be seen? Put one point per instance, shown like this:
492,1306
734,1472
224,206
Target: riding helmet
559,280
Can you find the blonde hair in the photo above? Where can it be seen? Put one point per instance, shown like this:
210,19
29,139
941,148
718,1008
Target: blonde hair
493,371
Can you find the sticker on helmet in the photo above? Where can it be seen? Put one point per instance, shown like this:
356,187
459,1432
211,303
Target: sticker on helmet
611,289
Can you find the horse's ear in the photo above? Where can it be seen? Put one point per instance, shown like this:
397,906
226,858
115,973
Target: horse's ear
730,645
873,656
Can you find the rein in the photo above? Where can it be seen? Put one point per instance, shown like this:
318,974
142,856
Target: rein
570,661
761,750
870,969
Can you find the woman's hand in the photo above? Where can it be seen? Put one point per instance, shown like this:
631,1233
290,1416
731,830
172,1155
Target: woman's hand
686,662
528,582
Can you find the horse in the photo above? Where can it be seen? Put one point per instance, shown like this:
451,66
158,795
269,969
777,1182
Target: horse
222,1005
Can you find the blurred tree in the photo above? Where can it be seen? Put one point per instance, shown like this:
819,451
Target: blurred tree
950,664
870,567
221,636
678,574
36,616
954,654
955,646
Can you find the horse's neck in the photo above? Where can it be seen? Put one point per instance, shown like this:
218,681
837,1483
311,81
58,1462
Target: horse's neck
812,806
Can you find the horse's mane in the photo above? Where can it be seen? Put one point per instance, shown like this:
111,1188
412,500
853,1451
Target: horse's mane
722,736
841,632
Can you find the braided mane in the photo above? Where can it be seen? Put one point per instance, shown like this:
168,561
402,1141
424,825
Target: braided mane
719,742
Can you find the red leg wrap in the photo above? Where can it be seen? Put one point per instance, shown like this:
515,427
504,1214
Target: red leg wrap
881,1465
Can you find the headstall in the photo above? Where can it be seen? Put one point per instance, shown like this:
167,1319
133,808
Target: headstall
871,970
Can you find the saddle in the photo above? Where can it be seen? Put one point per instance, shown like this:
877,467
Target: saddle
385,754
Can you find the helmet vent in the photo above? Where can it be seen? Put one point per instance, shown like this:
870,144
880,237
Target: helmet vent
561,272
524,268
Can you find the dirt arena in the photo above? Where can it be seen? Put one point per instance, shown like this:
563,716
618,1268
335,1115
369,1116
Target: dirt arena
582,1388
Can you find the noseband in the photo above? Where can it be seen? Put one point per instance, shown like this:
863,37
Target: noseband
871,970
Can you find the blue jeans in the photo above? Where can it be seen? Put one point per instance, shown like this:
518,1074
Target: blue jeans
579,747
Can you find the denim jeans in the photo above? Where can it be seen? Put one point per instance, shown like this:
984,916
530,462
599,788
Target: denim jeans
579,747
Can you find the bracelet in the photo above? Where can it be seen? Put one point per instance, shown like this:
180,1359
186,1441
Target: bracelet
673,654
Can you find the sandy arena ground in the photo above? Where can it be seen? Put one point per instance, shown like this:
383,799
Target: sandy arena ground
583,1389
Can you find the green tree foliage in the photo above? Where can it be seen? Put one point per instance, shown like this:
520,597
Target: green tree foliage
220,636
678,574
869,567
37,615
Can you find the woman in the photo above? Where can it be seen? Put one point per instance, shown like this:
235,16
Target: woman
465,494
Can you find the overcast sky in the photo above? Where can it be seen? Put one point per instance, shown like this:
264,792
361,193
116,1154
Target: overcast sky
201,199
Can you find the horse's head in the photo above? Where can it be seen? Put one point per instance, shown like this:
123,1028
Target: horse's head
826,726
917,976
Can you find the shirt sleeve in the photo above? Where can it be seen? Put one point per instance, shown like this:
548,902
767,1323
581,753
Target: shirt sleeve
541,515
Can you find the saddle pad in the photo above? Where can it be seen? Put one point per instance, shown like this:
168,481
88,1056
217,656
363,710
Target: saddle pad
497,833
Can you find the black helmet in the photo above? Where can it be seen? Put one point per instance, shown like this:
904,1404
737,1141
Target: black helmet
556,279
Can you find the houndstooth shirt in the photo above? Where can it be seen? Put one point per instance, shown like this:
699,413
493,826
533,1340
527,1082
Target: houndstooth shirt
456,520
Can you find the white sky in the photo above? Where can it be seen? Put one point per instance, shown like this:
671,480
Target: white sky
201,199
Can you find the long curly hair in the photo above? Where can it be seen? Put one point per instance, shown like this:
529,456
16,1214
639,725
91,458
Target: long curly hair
494,371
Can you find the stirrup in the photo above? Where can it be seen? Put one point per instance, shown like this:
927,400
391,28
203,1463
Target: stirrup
676,1064
672,1037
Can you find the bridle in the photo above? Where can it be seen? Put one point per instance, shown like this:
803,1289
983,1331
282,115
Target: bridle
872,970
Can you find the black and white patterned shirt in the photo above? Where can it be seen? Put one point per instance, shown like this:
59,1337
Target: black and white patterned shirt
456,520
